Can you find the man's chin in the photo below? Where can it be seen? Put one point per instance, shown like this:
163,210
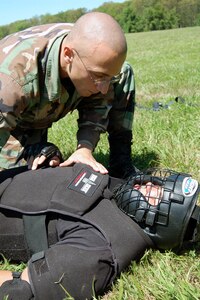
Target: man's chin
87,93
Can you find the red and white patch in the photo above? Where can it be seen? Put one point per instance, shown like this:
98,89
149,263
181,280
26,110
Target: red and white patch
86,182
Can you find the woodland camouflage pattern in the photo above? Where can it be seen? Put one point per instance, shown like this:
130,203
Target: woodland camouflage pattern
32,95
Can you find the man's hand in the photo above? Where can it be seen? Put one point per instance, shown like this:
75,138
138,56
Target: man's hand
39,161
49,155
84,155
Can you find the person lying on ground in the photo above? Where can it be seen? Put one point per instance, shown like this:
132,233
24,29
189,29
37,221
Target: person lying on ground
78,229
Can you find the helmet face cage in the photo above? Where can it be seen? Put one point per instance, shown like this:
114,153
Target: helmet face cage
133,202
155,199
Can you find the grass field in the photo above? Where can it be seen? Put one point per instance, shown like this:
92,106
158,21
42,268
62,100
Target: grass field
166,65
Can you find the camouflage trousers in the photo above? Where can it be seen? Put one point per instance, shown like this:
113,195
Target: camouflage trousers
120,121
13,149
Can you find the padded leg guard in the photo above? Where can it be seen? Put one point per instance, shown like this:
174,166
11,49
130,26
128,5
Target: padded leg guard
64,271
16,289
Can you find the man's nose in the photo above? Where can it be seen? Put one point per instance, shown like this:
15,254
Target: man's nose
103,86
149,186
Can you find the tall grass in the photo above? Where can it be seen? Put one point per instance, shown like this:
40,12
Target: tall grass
166,63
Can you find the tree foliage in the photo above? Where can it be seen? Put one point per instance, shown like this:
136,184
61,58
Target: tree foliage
132,15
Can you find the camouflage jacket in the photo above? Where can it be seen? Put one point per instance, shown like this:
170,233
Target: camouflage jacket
31,92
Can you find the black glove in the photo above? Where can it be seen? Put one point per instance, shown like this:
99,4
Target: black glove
49,150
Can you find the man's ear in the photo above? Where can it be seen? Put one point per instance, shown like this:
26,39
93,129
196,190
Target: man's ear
68,55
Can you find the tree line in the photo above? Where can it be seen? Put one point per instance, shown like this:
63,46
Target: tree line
132,15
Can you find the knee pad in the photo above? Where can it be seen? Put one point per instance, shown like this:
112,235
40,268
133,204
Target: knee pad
16,289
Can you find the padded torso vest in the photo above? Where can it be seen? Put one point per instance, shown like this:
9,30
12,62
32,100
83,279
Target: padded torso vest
74,193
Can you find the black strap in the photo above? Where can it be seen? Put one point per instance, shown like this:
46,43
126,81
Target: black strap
16,275
196,213
35,233
196,231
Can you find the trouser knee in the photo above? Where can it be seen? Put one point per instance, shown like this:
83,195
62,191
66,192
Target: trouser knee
10,156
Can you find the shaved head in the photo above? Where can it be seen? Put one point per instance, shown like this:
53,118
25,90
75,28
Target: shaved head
97,29
95,45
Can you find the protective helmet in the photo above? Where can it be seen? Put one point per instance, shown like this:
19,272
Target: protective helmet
171,216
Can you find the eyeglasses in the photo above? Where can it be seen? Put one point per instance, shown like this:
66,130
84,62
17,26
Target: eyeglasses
98,81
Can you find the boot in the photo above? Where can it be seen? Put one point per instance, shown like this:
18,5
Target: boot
120,161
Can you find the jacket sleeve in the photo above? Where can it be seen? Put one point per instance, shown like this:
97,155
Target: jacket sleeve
11,106
93,117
